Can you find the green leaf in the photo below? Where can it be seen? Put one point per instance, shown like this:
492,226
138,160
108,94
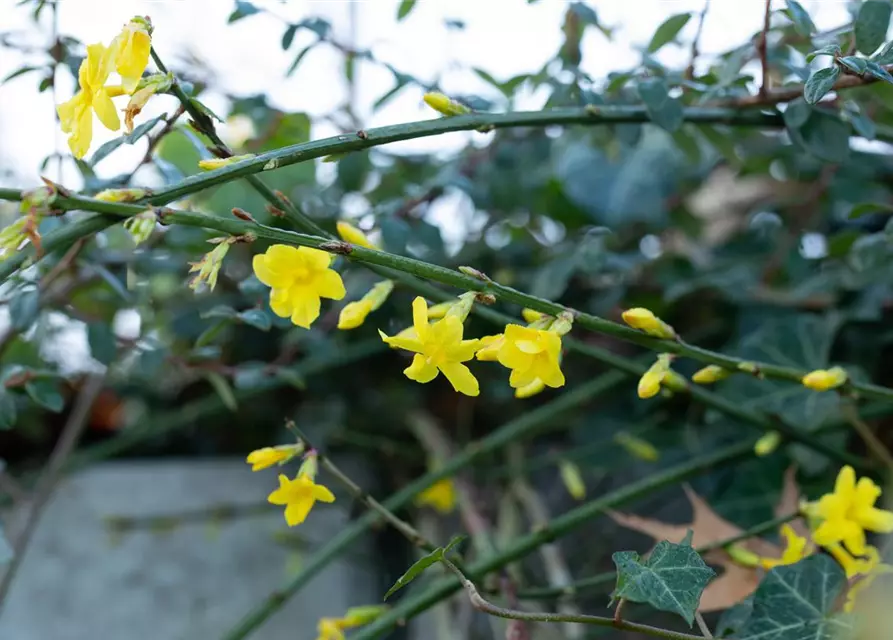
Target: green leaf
668,31
19,72
854,63
672,578
820,83
102,343
223,389
288,36
800,17
46,393
5,547
830,50
664,111
294,65
885,55
7,410
866,208
871,25
824,135
24,308
733,618
876,70
130,138
257,318
421,564
405,8
243,10
795,602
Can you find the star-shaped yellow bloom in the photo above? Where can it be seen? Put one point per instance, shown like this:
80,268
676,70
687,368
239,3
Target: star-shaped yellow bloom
76,115
531,354
796,548
849,512
268,456
299,277
438,347
441,496
298,496
131,49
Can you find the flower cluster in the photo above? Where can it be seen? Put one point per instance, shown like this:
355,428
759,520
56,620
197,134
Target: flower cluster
298,495
128,54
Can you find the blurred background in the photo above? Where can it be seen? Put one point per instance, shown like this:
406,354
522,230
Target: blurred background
739,237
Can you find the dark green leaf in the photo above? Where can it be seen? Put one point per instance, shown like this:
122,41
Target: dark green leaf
388,96
46,393
733,619
854,63
223,389
797,113
668,31
830,50
243,10
663,110
257,318
294,65
671,579
205,109
820,83
288,36
405,8
799,16
137,133
395,233
24,308
5,547
19,72
319,26
795,602
825,136
876,70
865,208
885,55
871,25
352,171
102,342
220,311
862,124
7,410
723,142
421,564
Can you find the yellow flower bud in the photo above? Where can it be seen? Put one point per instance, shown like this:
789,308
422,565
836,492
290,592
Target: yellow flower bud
353,235
562,324
209,266
445,105
462,307
572,479
354,314
309,466
742,556
530,315
767,443
649,383
644,320
268,456
217,163
710,374
749,367
531,389
147,88
358,616
439,310
489,352
121,195
637,447
673,381
825,379
141,226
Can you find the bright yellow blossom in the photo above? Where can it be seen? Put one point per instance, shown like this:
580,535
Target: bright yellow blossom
490,346
298,277
825,379
848,512
438,347
268,456
354,314
330,629
351,234
76,115
796,548
441,496
299,496
710,374
645,320
209,164
131,50
531,354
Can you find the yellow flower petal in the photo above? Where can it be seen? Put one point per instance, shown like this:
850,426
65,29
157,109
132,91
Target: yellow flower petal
420,317
461,378
420,371
305,305
329,285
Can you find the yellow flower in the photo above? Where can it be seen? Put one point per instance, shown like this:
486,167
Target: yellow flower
649,383
441,496
490,346
644,320
298,496
531,354
849,512
438,347
825,379
131,50
354,314
76,115
268,456
141,225
531,389
207,269
710,374
443,104
298,277
216,163
867,568
796,548
351,234
330,629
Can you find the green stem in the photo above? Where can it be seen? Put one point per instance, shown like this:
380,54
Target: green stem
525,426
545,593
413,605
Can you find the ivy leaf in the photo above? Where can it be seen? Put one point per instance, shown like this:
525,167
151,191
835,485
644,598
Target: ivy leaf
872,24
800,17
405,8
421,564
46,393
820,83
885,55
734,618
664,111
830,50
873,68
855,64
668,31
671,579
794,602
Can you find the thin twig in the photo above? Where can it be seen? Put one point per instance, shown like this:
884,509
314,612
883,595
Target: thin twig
169,123
71,433
705,630
763,52
877,448
695,43
481,604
